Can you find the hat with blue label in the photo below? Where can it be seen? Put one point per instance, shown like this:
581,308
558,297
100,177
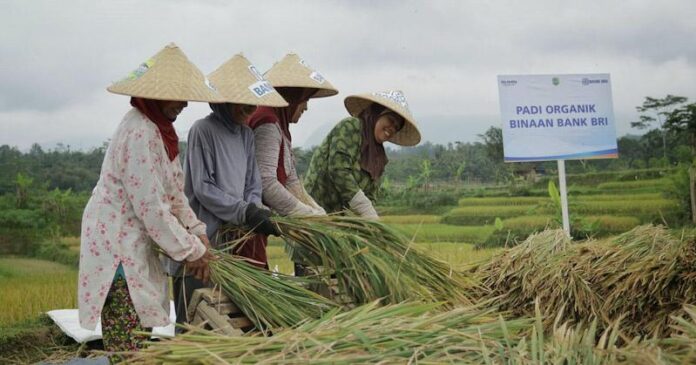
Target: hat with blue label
239,82
168,75
293,71
394,100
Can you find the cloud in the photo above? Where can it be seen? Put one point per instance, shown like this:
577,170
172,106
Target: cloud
58,57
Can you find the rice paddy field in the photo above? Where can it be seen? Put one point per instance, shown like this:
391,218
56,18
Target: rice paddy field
482,236
30,287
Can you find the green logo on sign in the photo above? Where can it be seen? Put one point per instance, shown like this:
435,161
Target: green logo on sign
555,81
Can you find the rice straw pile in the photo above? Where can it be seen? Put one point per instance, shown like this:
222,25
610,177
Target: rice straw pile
425,333
372,261
269,300
399,333
641,277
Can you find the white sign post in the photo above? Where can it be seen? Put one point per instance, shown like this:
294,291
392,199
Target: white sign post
557,117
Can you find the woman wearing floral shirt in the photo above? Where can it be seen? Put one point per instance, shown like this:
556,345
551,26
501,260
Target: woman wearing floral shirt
138,207
346,169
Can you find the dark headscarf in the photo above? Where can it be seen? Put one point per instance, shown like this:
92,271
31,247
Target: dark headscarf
152,111
223,113
282,116
373,158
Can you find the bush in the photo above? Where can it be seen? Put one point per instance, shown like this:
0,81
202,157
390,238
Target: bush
57,251
678,189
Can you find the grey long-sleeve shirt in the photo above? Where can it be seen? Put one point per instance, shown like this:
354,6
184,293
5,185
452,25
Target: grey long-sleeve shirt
222,177
283,199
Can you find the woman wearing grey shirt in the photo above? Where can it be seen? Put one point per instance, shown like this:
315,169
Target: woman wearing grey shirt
222,181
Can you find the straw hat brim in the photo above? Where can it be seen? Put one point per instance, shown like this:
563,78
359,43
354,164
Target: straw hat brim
408,135
168,75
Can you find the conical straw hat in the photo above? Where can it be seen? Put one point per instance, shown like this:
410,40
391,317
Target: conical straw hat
238,81
394,100
168,75
292,71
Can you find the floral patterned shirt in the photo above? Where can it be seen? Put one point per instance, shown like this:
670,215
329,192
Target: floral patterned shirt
137,206
334,175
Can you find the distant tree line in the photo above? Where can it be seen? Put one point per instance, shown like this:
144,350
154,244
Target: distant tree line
671,141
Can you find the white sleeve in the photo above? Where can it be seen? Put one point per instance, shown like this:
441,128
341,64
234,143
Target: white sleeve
141,164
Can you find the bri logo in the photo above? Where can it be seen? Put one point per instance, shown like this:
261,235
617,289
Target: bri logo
508,82
586,81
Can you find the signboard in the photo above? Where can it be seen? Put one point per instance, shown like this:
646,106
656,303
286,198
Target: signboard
557,117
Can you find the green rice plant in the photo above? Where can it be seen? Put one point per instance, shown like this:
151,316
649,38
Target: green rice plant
609,224
269,300
372,261
481,215
458,254
278,259
529,222
410,219
512,200
657,184
655,211
614,197
444,232
29,287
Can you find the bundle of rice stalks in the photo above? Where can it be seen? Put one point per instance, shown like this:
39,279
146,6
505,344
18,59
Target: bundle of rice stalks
425,333
373,261
269,300
641,277
399,333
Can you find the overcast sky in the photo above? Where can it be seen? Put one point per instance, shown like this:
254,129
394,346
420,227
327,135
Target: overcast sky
57,57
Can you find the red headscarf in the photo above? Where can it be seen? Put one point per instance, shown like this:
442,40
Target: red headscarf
282,117
152,111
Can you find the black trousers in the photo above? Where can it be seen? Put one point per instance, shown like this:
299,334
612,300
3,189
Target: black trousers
183,290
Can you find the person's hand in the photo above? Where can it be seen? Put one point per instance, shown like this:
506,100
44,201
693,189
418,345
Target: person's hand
304,210
200,268
204,239
362,205
259,221
319,211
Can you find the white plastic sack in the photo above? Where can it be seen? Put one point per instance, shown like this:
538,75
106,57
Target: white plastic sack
69,323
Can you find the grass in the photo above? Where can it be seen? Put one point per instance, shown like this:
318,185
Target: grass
30,287
515,200
480,215
656,184
458,254
444,232
73,243
410,219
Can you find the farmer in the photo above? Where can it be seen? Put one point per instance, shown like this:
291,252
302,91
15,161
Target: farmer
282,188
345,170
138,206
223,184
